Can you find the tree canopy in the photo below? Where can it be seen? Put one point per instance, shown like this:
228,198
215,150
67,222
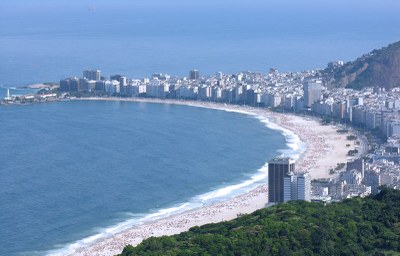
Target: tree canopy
357,226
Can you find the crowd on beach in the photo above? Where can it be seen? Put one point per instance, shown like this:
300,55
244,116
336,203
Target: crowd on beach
319,143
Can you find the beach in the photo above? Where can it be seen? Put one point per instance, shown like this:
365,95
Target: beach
323,148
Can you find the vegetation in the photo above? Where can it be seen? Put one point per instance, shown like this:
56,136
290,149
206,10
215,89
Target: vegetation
341,131
352,152
377,68
340,166
326,120
351,137
358,226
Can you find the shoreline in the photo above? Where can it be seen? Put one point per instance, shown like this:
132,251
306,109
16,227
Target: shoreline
324,148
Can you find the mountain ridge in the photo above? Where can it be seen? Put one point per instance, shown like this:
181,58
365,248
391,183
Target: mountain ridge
379,68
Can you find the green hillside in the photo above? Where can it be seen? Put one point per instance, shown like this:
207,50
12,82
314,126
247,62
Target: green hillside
358,226
377,68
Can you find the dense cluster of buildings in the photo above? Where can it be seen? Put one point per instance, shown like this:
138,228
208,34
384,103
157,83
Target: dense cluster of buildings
356,180
285,184
248,88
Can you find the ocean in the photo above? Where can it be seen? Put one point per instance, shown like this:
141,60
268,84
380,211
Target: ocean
72,171
45,41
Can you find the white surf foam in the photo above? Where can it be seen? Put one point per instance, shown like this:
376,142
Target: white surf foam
296,146
135,219
235,189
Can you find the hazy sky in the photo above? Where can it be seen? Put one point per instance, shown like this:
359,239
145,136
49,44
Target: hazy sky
306,5
362,12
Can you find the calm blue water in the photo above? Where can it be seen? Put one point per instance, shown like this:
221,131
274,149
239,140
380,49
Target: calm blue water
47,40
69,169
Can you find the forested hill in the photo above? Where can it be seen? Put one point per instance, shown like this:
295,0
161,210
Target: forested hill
377,68
358,226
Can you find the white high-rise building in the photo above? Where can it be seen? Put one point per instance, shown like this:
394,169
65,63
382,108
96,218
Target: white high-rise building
287,188
312,92
297,186
302,189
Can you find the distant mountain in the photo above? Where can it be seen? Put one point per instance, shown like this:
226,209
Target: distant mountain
377,68
358,226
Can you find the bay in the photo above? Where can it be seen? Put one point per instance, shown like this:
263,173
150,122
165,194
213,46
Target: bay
69,170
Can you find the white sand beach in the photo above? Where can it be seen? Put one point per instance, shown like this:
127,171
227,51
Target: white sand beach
325,148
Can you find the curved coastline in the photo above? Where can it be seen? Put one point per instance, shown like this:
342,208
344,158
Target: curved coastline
250,195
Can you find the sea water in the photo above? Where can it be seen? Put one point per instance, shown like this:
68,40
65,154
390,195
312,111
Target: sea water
45,41
76,170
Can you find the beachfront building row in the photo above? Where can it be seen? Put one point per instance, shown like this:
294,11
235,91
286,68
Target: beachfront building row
295,92
285,184
371,109
247,88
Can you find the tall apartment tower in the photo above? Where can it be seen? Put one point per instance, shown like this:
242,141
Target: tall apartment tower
93,74
301,187
312,92
279,179
194,74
